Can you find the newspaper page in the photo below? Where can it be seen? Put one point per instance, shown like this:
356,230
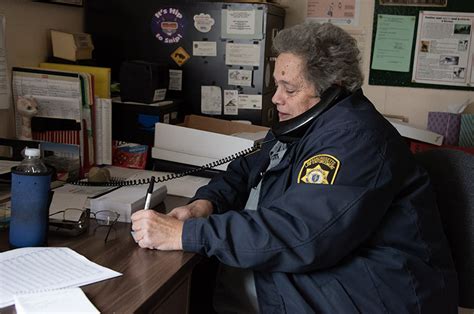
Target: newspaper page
342,12
444,51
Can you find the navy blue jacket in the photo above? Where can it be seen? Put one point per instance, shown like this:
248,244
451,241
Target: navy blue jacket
346,222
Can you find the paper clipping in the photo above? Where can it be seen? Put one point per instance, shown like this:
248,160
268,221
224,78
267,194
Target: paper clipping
205,48
211,100
231,102
242,54
240,77
443,53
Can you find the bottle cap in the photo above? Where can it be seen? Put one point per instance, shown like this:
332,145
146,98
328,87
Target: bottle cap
32,152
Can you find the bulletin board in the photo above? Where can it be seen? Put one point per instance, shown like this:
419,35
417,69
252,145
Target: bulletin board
392,78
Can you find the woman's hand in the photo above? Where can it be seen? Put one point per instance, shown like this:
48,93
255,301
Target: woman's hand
198,208
153,230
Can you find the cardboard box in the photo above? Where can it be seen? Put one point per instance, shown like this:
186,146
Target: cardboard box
417,134
466,135
70,46
447,124
202,140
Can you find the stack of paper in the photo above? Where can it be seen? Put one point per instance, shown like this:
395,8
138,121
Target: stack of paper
54,301
128,199
40,269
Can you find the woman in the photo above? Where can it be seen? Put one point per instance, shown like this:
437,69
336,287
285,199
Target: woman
339,220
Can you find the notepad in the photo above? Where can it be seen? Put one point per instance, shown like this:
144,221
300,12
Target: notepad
70,300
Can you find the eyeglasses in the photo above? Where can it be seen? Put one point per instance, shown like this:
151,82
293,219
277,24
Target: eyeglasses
71,221
106,218
74,221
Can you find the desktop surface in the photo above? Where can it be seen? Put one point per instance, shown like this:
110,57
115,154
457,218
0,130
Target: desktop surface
152,280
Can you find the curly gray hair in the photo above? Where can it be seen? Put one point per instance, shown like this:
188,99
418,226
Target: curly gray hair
330,53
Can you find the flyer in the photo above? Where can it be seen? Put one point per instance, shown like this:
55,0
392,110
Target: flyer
444,53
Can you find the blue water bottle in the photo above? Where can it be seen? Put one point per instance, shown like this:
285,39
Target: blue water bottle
30,198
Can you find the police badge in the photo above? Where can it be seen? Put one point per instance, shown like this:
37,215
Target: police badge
319,169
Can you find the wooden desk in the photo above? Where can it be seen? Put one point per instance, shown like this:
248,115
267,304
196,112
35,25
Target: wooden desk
152,281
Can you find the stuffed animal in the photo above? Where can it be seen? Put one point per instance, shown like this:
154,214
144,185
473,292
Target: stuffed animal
27,108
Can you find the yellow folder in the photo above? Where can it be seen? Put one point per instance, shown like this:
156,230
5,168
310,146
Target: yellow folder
101,75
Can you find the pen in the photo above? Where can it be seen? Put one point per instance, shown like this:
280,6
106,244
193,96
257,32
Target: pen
149,192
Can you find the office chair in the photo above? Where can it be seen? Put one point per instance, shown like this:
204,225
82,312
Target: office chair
452,177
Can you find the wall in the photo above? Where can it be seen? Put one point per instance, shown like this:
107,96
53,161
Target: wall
28,44
27,37
413,103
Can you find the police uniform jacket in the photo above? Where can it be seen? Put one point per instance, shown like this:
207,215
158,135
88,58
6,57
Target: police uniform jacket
346,222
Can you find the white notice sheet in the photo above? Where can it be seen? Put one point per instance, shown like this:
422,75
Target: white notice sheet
46,268
444,51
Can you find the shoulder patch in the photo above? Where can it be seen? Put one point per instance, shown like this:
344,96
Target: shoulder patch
319,169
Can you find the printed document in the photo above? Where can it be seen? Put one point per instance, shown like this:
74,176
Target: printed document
55,301
46,268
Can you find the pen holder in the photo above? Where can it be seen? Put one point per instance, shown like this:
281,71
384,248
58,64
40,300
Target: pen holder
30,199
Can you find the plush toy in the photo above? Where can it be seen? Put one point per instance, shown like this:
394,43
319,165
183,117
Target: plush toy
27,108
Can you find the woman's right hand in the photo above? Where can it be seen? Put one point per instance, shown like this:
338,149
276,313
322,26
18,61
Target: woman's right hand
198,208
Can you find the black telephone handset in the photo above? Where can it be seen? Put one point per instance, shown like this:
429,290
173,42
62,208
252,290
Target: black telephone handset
293,129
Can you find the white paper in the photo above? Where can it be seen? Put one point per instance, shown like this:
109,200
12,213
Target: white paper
240,22
211,100
242,54
205,48
126,199
342,12
62,201
231,102
103,131
159,94
443,53
70,300
176,80
184,186
4,83
6,165
240,77
250,101
46,268
36,84
59,107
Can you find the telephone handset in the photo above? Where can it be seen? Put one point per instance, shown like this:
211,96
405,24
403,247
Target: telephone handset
293,129
285,131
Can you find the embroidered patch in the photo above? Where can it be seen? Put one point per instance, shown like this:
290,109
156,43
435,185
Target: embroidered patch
319,169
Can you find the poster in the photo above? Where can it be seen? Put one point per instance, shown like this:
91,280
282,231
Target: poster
340,12
444,52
